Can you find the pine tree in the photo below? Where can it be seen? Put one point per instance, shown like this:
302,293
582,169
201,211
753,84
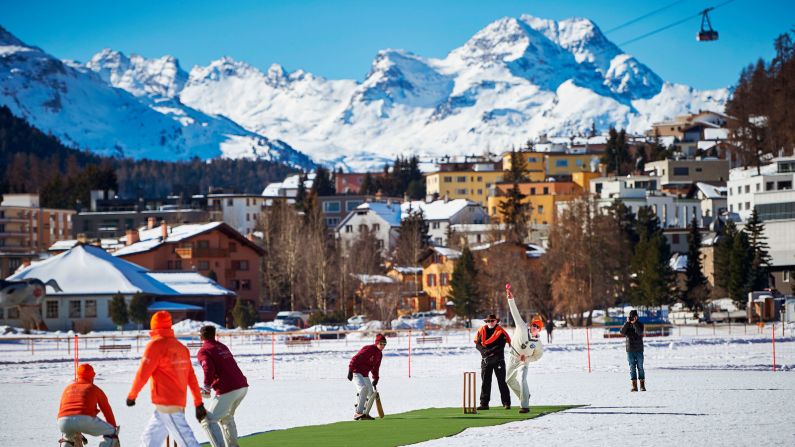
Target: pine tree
412,238
137,309
617,152
516,213
368,185
755,231
118,311
464,291
244,313
301,193
653,275
322,185
733,259
695,282
518,171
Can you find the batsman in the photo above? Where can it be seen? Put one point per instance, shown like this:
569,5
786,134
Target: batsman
525,348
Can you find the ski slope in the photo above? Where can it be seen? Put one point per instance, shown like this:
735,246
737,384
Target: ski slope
714,389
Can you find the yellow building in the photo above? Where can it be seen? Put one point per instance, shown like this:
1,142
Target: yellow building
534,162
438,264
471,185
541,196
567,164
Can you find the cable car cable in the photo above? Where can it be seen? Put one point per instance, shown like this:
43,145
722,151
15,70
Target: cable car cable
637,19
678,22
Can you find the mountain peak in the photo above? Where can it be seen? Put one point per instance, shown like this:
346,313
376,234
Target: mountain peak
6,38
156,78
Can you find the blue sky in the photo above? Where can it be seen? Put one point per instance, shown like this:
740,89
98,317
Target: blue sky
339,38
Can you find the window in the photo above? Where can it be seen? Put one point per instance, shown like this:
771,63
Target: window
234,284
203,265
785,185
561,163
331,207
461,191
532,191
248,217
349,228
461,179
758,186
362,228
748,205
202,244
747,189
480,192
448,179
699,169
437,241
769,186
546,190
480,179
230,202
351,205
240,265
232,247
332,221
786,279
540,209
245,284
430,279
376,227
443,279
731,208
435,225
380,243
174,265
75,309
51,309
91,309
681,171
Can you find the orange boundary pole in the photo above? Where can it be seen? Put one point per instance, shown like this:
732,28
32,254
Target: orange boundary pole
273,356
77,345
588,344
409,353
774,347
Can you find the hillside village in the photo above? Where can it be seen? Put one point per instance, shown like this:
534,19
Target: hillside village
674,217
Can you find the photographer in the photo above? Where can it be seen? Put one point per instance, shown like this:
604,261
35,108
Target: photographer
633,331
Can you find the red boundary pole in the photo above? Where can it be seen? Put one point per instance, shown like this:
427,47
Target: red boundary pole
77,345
409,353
588,344
774,347
273,356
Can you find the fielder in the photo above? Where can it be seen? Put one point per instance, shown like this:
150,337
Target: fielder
525,348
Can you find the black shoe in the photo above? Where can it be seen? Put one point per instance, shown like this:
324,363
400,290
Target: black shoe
524,410
507,407
483,407
366,417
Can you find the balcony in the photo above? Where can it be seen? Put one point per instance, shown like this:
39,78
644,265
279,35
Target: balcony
191,253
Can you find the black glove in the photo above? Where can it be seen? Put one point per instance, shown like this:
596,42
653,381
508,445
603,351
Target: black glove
350,374
375,382
130,402
201,412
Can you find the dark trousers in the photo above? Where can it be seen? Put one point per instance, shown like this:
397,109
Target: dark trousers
498,368
636,371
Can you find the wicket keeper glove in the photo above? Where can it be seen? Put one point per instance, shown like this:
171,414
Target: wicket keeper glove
350,374
201,412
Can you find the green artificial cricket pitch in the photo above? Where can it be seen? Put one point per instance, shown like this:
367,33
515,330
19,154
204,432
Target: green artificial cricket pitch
395,429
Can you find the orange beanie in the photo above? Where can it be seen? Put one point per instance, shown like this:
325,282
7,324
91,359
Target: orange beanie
85,372
160,320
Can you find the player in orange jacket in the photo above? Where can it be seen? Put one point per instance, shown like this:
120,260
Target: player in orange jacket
81,401
167,362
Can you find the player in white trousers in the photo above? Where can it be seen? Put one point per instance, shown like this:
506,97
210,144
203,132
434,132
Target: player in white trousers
525,348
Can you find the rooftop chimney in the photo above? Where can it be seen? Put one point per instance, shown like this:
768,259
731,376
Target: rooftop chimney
150,223
131,237
164,230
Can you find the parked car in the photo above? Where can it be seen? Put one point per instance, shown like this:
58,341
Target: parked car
357,319
292,318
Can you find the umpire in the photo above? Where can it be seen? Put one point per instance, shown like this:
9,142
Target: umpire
490,341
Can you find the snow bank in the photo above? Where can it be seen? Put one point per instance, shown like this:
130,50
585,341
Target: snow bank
194,326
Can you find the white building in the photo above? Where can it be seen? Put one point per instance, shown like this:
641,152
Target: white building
771,185
89,277
381,219
441,214
288,187
239,211
713,200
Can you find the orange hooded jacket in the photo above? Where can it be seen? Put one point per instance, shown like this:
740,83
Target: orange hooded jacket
167,362
82,397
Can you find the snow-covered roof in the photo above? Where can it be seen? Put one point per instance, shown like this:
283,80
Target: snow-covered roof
375,279
436,210
169,306
678,262
107,244
390,212
716,134
711,191
89,270
407,270
190,283
150,239
290,183
447,252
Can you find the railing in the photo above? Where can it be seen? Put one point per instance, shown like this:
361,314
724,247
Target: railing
190,253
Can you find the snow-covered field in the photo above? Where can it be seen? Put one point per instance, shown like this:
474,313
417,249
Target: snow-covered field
708,389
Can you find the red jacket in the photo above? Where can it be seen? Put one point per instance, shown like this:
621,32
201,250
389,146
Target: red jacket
82,398
167,362
221,372
367,360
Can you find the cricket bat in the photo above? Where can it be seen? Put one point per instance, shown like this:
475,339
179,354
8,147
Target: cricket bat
378,406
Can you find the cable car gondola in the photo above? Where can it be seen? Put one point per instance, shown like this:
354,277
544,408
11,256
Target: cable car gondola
707,33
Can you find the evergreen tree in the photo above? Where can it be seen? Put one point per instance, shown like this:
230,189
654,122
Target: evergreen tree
412,238
464,291
137,309
733,258
650,262
695,281
301,194
323,185
617,152
760,263
515,213
118,311
518,171
244,313
369,186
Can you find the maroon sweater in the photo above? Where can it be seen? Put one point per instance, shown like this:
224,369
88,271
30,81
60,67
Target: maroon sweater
221,372
366,360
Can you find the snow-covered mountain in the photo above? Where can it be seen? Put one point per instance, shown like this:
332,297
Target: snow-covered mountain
144,119
517,78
